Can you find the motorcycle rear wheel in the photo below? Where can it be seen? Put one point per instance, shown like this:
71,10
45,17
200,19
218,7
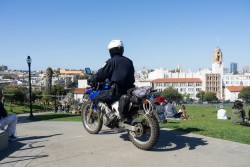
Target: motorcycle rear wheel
147,131
94,123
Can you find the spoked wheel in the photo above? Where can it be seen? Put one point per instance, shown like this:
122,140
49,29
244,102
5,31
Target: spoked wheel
91,118
146,132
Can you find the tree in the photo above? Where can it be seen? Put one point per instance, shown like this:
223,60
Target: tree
7,77
186,97
56,73
245,93
172,93
200,95
58,90
37,95
46,99
49,75
210,96
15,93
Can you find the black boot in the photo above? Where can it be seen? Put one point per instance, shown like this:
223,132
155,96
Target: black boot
112,117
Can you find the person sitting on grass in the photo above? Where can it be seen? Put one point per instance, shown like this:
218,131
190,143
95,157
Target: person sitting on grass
170,110
182,112
221,113
8,120
160,109
238,114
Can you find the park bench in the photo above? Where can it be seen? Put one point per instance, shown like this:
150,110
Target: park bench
4,139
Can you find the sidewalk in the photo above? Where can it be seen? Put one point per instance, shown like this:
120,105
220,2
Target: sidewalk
47,143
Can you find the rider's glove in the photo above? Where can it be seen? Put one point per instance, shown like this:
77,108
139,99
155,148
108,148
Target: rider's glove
91,83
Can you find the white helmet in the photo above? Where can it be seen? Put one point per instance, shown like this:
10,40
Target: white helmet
116,48
115,44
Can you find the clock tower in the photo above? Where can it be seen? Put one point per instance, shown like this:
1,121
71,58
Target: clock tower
217,64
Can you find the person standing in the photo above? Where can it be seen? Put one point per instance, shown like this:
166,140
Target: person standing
9,120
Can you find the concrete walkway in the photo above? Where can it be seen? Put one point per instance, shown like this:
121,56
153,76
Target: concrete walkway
66,144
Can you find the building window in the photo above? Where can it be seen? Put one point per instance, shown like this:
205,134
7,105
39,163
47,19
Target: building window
183,84
175,84
166,84
190,89
182,89
198,83
198,89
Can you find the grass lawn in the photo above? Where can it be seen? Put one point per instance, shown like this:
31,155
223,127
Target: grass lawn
202,120
60,116
20,109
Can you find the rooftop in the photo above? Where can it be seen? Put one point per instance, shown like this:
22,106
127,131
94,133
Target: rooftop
177,80
234,88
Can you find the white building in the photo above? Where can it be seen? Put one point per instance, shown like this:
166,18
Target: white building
141,74
232,93
82,83
236,80
79,92
246,68
158,73
189,86
142,83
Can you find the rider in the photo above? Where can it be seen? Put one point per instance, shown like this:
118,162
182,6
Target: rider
119,70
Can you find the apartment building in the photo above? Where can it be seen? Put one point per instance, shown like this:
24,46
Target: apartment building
184,85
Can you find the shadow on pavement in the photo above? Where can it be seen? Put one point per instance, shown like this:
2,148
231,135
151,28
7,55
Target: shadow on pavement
43,117
14,146
23,119
19,144
171,140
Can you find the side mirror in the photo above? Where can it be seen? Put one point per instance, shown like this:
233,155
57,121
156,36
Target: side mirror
88,70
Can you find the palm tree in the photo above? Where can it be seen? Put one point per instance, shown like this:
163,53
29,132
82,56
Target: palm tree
49,75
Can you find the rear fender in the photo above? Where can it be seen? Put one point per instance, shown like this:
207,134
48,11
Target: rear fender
136,120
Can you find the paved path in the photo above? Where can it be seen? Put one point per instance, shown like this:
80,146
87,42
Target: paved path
66,144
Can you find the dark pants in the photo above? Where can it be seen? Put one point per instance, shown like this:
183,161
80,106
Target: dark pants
106,97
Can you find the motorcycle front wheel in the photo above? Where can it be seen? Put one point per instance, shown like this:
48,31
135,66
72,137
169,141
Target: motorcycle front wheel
91,118
146,132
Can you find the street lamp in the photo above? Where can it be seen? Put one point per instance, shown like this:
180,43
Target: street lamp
29,60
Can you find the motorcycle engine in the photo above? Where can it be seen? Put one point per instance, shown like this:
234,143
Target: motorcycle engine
109,116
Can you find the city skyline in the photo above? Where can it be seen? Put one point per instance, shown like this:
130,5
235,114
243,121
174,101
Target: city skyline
156,34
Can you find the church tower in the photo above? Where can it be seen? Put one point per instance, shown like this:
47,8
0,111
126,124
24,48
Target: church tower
214,80
217,64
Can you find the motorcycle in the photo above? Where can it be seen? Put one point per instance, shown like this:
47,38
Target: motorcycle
142,128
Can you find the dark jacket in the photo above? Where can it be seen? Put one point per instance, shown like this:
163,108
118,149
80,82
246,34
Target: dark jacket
3,112
118,70
238,115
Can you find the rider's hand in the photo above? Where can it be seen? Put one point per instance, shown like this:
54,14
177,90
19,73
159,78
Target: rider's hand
89,82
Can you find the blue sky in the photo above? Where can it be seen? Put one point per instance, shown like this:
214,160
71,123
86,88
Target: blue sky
156,33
